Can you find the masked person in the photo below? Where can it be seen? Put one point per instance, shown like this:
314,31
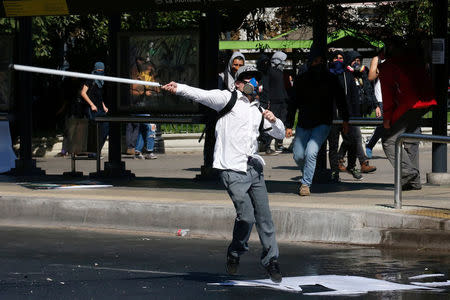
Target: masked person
275,93
317,92
241,168
92,93
361,101
336,67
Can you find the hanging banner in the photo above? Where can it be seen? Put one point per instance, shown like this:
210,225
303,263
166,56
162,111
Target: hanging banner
21,8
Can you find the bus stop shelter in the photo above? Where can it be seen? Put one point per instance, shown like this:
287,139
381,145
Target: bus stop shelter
209,47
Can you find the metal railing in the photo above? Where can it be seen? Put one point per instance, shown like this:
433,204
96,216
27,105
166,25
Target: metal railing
399,155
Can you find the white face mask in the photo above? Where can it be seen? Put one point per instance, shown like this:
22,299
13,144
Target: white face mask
277,63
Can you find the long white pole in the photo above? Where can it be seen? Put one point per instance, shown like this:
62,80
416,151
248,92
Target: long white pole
81,75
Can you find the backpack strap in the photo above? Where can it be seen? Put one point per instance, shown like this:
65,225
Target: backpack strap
261,125
229,105
223,111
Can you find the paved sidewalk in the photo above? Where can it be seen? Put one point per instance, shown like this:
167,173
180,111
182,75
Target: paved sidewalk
165,197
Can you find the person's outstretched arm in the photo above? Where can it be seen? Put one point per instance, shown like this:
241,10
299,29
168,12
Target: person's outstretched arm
215,99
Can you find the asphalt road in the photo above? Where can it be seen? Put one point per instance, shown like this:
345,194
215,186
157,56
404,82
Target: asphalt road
45,263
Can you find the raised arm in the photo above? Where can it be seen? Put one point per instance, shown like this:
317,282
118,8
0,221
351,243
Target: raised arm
215,99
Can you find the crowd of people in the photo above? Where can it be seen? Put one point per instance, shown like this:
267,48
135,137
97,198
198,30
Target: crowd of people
331,86
337,86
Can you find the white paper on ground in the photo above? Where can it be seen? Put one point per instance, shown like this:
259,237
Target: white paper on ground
7,156
341,285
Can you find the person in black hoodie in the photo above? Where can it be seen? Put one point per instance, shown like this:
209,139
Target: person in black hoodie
336,67
316,92
360,101
263,65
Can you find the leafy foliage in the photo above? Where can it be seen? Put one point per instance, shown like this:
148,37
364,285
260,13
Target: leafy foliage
411,20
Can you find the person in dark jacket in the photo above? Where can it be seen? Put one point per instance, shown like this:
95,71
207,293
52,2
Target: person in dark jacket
360,99
274,95
336,67
316,92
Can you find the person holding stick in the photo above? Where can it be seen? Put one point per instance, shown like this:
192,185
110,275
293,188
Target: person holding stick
241,168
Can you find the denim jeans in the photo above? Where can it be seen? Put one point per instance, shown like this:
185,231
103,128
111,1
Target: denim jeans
148,131
307,144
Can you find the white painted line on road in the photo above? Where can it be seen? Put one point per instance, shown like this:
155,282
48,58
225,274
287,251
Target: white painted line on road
426,276
120,269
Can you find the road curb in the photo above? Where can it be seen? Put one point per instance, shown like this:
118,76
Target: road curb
293,224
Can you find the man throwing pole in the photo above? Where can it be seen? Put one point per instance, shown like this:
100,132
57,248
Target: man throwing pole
235,155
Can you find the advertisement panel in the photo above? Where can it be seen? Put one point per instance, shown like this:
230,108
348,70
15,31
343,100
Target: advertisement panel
159,57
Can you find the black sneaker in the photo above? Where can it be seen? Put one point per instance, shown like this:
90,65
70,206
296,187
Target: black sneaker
273,269
355,173
335,177
410,187
232,265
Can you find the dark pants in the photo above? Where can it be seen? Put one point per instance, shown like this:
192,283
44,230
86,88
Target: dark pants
352,146
104,126
408,123
132,132
333,144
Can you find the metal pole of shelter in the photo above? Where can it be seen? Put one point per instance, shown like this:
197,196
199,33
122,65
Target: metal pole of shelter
115,167
25,165
440,79
209,48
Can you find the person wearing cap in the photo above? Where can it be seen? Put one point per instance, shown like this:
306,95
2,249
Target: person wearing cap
92,93
317,92
241,168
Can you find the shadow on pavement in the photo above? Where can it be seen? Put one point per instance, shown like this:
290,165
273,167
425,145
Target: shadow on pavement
273,186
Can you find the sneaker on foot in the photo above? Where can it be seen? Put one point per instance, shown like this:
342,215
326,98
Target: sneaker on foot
273,269
355,173
366,168
232,264
138,155
304,190
368,152
335,177
270,151
131,151
151,155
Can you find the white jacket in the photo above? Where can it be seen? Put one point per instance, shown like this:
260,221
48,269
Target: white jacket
237,131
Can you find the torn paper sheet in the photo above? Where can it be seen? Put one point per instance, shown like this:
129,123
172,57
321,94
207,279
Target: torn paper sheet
336,284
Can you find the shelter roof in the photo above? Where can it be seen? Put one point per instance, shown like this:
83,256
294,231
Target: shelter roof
13,8
339,38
